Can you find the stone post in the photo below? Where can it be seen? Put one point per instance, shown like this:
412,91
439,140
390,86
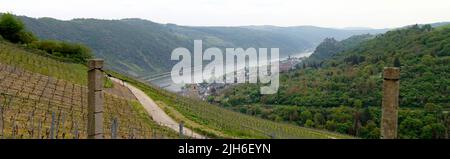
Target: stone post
389,116
181,125
95,99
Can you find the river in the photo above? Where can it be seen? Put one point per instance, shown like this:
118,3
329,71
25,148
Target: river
167,83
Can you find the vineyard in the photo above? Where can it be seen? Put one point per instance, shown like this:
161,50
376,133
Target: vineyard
230,124
38,106
32,60
43,98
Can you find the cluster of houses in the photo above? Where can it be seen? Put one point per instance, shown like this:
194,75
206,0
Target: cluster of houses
289,64
203,90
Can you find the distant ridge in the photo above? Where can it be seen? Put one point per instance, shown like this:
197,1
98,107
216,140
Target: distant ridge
141,47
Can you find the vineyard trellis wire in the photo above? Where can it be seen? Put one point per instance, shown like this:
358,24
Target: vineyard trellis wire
38,106
33,61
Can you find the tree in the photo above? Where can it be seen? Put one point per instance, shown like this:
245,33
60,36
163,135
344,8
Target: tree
14,31
210,99
410,128
357,123
319,119
309,123
432,108
357,104
427,27
9,26
370,131
433,131
305,115
397,62
428,59
76,52
331,125
343,127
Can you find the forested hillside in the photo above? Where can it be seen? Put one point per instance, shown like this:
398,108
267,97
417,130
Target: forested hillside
343,93
141,47
330,46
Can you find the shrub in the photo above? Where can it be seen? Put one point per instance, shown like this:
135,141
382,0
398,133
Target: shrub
14,31
74,51
26,37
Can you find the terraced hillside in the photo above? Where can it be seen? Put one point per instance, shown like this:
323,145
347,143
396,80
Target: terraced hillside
43,98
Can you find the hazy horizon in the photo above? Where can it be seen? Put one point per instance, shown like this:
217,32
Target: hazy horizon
378,14
345,27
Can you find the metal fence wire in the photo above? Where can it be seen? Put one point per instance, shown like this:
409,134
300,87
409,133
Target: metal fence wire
35,106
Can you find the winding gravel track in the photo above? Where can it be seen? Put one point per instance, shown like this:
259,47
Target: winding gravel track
158,115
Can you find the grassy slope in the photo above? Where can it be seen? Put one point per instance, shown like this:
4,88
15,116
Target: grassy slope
214,121
33,61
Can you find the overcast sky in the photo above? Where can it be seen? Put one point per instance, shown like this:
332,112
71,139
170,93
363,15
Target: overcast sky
325,13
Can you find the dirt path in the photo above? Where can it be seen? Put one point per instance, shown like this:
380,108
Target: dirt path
156,112
120,91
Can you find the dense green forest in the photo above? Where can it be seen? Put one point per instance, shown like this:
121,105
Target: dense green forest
341,91
140,47
330,46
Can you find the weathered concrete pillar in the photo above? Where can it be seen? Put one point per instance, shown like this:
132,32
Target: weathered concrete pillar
390,102
181,125
95,99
